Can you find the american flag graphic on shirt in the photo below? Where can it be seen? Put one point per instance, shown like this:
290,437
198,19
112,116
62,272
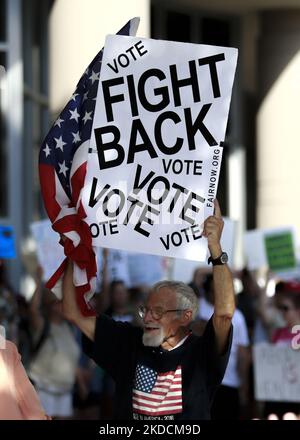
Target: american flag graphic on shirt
155,393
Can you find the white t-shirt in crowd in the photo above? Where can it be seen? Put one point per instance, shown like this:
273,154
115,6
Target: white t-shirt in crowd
239,338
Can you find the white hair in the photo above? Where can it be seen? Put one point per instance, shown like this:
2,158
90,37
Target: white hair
185,296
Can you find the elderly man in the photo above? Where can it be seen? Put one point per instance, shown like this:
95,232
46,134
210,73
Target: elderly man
163,371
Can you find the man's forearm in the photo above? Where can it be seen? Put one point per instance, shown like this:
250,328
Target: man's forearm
224,303
224,300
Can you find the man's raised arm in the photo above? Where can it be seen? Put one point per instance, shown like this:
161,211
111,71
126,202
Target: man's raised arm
224,302
70,308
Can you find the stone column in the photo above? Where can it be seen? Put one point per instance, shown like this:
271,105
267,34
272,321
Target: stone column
77,32
278,120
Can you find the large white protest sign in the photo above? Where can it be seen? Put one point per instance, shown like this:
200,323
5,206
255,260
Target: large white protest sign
156,145
49,252
277,372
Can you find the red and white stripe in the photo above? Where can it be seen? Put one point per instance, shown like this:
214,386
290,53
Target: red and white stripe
67,218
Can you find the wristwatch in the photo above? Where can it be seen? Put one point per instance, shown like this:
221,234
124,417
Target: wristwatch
222,259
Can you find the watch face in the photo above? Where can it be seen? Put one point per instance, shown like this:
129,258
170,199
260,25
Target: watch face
224,257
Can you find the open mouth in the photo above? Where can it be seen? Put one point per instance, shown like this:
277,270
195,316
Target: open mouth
151,329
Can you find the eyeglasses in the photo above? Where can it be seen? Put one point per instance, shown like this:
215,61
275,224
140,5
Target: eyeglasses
157,312
284,308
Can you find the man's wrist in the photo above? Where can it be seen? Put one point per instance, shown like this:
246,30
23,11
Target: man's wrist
215,251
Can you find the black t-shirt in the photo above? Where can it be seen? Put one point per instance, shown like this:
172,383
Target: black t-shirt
152,383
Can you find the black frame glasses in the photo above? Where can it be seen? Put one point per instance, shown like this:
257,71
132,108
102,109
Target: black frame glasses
156,313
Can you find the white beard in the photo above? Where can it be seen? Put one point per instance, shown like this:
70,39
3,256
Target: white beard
153,340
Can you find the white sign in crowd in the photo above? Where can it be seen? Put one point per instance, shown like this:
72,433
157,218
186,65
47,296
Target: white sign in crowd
50,253
277,372
157,143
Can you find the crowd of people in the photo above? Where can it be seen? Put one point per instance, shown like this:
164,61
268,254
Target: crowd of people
52,372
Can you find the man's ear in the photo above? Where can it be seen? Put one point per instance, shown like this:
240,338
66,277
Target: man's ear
186,317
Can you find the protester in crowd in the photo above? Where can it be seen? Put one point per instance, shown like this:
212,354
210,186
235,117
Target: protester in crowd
247,300
232,396
137,297
197,283
89,392
267,317
14,316
119,308
262,318
164,353
88,389
8,306
113,298
18,398
56,353
24,332
287,300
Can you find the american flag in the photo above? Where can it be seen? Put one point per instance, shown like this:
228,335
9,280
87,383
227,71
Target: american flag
62,170
157,394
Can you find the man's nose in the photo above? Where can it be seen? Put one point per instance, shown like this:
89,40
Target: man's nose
148,316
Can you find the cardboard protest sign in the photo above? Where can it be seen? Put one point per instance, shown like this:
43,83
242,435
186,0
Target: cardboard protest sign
277,372
275,248
7,242
49,252
156,145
